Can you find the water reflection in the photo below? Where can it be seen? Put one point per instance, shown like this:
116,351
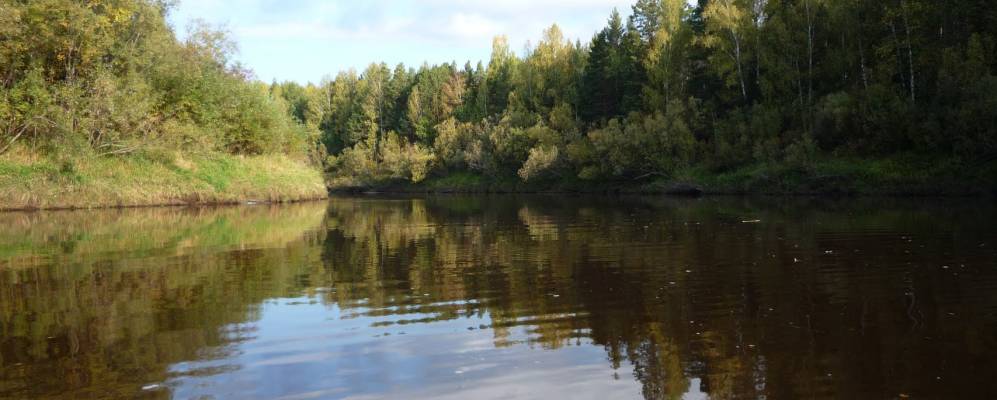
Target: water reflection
512,297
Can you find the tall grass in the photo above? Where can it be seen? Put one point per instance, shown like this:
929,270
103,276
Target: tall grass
31,181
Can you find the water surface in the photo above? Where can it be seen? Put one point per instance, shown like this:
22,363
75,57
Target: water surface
504,297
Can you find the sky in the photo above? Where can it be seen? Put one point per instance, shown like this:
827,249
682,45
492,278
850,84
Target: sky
306,40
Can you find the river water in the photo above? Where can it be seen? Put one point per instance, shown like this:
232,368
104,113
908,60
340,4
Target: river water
511,297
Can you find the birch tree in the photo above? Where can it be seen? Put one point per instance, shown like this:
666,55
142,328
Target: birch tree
725,26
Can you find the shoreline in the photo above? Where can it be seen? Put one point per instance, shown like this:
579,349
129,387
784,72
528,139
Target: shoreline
900,176
168,179
373,192
208,204
677,189
390,192
35,183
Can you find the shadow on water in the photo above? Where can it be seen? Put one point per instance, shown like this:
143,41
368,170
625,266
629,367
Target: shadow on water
504,296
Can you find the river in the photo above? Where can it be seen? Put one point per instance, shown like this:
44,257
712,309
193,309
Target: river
512,297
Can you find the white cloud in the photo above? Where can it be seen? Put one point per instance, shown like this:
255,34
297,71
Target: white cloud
472,26
412,31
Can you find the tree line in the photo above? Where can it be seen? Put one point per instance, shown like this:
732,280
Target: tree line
720,85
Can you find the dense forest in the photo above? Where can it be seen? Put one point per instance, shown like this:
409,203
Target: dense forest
716,87
807,86
110,78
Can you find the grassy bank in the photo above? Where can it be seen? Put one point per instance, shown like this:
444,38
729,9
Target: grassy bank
31,181
905,175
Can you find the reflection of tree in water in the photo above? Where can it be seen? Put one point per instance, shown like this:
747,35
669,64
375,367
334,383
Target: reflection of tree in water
92,320
683,289
818,300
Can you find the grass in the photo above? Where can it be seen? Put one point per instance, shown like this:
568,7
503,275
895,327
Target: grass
32,181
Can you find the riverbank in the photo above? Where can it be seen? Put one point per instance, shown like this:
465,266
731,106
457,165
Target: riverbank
896,176
31,181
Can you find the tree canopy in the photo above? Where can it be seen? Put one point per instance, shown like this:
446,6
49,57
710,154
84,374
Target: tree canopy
109,77
719,85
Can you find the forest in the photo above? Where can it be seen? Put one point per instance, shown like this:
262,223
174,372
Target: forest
109,77
760,92
102,105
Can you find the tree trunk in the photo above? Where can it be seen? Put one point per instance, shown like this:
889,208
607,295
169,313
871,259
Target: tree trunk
14,139
810,54
865,75
910,52
896,46
737,59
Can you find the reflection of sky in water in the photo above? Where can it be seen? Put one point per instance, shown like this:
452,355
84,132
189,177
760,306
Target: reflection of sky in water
301,349
502,297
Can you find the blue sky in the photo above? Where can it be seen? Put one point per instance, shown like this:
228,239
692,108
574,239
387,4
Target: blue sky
305,40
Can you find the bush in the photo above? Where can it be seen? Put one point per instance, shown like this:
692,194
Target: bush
511,145
395,158
541,161
404,160
802,154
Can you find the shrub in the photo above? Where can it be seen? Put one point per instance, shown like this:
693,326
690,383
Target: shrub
541,162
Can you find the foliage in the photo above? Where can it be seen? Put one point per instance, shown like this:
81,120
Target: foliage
110,78
719,86
395,158
541,160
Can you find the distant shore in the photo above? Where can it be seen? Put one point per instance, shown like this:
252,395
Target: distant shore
30,182
836,177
